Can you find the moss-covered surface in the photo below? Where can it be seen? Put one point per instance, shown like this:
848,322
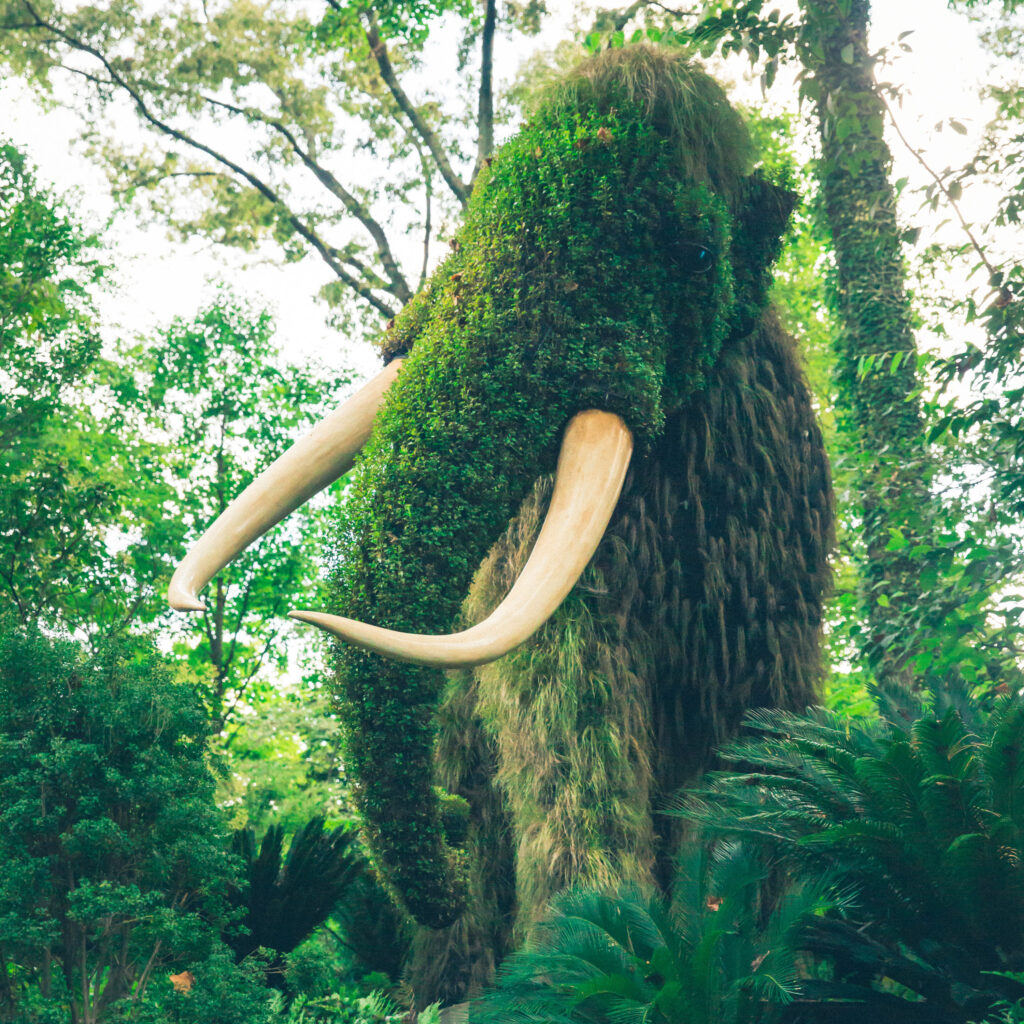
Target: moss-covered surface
572,285
878,404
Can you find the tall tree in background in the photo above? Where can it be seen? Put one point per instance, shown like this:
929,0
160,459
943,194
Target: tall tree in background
101,489
875,373
262,111
60,483
876,383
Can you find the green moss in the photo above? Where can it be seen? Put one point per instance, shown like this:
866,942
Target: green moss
708,139
571,286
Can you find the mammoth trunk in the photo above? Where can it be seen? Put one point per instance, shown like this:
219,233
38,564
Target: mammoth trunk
423,513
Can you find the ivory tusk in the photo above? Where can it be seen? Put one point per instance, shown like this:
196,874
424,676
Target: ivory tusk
591,469
313,462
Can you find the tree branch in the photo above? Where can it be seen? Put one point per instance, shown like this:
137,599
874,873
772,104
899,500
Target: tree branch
262,187
399,286
240,690
427,187
943,188
380,53
485,109
623,18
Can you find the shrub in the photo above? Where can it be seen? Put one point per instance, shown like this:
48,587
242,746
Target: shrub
116,862
924,818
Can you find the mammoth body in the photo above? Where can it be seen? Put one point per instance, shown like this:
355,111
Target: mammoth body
606,295
573,286
703,601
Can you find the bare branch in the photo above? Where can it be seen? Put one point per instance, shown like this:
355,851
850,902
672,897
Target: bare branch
380,53
940,184
240,689
428,189
485,110
623,18
262,187
399,286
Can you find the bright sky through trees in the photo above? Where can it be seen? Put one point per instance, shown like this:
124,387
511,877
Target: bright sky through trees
160,278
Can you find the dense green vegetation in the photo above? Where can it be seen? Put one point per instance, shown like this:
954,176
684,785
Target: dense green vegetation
193,828
506,353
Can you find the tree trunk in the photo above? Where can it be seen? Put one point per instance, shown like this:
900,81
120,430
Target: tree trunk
876,378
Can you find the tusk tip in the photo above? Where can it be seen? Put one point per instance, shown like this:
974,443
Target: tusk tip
333,624
310,618
182,600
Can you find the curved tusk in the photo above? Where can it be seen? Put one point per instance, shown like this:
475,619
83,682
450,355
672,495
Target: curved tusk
591,469
314,461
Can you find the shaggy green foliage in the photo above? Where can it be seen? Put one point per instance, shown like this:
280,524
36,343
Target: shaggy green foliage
569,717
924,820
708,141
571,286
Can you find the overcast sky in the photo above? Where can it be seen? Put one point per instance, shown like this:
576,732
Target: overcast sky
158,279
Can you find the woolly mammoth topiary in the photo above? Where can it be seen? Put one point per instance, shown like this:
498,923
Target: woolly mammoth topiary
602,318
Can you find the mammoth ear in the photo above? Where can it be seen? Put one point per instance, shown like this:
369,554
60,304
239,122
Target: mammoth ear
765,208
763,211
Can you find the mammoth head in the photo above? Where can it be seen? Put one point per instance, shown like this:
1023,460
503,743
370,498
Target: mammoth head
609,252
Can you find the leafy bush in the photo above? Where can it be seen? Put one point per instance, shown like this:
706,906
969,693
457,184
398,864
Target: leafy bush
349,1007
288,895
719,951
924,818
116,863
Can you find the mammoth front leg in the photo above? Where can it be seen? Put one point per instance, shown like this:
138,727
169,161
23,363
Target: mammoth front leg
569,717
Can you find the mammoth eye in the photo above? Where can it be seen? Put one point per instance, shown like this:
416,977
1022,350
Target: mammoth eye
696,258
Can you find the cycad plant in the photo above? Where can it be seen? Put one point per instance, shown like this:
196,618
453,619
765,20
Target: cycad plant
289,895
713,954
923,820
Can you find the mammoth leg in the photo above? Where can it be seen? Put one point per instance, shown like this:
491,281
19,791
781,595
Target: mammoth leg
728,529
569,716
550,747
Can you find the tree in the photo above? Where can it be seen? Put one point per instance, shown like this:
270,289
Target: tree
223,404
48,337
261,110
881,433
63,474
878,387
972,286
286,764
115,856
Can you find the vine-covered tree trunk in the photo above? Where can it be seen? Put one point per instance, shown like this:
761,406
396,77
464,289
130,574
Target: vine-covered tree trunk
876,374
